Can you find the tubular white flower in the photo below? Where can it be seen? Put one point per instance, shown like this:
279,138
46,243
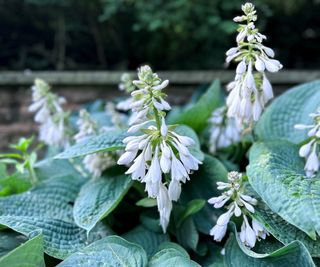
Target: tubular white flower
311,150
53,120
224,131
159,151
251,89
241,205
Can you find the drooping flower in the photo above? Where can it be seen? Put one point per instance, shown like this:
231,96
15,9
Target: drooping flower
251,89
98,162
311,150
53,129
240,205
160,157
224,131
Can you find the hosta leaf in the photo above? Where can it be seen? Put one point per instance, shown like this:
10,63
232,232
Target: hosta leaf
109,251
294,255
29,254
9,240
283,231
48,208
147,239
202,185
276,173
50,168
198,114
293,107
98,197
171,255
109,141
214,257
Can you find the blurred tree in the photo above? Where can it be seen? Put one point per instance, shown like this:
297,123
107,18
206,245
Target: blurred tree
169,34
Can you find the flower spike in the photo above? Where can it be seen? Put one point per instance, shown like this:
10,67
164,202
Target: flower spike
251,89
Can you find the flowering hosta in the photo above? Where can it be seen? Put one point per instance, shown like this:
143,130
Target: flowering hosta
117,183
224,131
50,115
310,150
241,205
250,90
95,163
158,150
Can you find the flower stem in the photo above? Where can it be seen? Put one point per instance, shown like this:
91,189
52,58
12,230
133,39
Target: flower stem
157,117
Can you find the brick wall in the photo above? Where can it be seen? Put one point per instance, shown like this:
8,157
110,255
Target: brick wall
82,87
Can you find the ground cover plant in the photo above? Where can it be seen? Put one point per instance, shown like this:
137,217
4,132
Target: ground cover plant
221,181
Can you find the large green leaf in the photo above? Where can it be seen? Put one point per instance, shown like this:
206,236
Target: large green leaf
98,197
146,238
111,251
171,255
50,168
293,107
9,240
109,141
198,114
283,231
29,254
48,208
202,185
276,173
294,255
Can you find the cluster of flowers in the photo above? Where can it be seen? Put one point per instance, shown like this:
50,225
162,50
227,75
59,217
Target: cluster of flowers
241,204
311,150
250,90
98,162
53,120
224,131
156,150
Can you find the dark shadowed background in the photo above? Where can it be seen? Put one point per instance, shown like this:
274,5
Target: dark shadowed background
168,34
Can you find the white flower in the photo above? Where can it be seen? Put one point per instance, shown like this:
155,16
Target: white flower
241,205
224,131
247,235
250,90
50,115
259,230
157,150
98,162
311,151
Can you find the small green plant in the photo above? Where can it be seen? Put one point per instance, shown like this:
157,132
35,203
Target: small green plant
22,158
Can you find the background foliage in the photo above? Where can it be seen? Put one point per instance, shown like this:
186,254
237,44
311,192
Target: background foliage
122,34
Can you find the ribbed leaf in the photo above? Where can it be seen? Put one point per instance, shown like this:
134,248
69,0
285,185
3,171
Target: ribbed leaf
198,114
109,251
48,207
147,239
202,185
98,197
293,107
276,173
29,254
283,231
172,255
109,141
294,255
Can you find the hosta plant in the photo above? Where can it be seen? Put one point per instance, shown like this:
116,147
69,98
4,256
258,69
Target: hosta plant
138,182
